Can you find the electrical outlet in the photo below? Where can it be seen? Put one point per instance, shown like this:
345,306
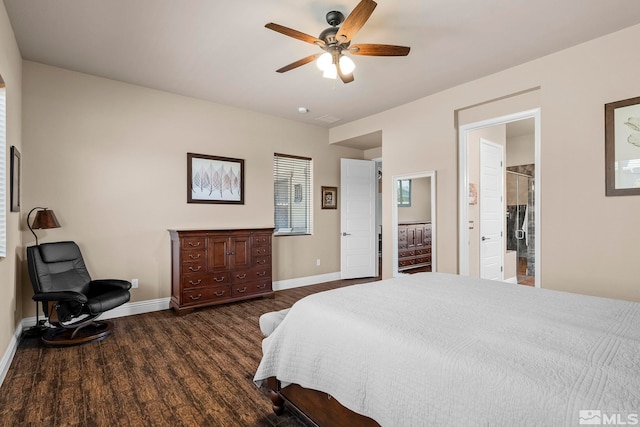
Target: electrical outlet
318,261
134,283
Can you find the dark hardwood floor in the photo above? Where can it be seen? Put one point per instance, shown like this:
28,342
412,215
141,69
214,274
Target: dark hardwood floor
157,369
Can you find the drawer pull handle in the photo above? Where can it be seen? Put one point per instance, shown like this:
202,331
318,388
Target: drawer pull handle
191,282
261,273
261,261
194,246
219,294
195,269
194,257
241,277
231,253
261,251
243,290
197,297
264,285
218,279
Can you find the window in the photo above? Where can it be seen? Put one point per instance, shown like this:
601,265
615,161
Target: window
292,198
3,170
404,193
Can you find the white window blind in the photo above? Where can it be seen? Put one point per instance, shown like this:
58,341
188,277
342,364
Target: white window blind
293,198
3,172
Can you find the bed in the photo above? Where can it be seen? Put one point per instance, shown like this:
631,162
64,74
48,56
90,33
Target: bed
441,349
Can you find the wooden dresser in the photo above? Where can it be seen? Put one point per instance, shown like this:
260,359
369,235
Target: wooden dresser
218,266
414,245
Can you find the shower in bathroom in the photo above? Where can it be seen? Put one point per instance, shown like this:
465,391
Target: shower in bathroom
520,220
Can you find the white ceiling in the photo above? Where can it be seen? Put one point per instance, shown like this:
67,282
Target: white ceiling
221,52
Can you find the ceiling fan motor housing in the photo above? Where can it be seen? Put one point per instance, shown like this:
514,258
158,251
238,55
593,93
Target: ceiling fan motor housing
335,18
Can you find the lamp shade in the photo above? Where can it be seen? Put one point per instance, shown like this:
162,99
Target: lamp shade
45,219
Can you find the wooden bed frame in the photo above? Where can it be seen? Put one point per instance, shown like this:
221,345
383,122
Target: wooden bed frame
314,406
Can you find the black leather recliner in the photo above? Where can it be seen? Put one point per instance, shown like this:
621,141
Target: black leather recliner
70,298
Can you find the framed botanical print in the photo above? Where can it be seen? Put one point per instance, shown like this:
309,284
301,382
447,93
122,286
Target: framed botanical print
622,147
214,179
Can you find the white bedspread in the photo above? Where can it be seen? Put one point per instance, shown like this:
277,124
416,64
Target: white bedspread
438,349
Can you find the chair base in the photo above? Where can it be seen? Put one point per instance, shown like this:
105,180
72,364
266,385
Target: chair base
61,337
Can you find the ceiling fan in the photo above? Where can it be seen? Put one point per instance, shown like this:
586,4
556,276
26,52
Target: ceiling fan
335,41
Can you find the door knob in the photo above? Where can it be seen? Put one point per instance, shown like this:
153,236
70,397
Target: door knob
346,234
485,238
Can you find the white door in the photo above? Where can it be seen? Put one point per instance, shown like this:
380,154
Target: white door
491,211
358,254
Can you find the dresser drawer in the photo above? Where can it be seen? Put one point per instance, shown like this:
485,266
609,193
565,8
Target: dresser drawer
262,261
240,290
241,276
198,296
200,280
194,267
261,240
406,262
424,259
260,250
405,254
195,242
195,255
423,251
261,273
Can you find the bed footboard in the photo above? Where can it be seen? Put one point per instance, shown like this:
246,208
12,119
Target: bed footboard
315,406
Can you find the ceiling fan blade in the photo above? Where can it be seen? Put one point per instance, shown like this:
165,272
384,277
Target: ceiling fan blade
379,50
294,33
356,19
298,63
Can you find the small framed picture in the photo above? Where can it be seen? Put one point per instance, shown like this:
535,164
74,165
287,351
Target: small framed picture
329,197
622,147
15,179
214,179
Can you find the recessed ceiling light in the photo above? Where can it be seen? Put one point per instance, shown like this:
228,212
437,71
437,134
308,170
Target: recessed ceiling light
303,110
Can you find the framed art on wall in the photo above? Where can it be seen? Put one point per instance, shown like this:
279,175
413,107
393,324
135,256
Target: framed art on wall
622,147
214,179
15,179
329,197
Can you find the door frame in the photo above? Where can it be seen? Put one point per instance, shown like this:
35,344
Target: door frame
463,189
394,217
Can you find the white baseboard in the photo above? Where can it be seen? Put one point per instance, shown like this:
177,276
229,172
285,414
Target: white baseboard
305,281
512,280
7,358
147,306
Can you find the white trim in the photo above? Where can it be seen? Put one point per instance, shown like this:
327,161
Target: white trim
513,279
281,285
463,190
7,357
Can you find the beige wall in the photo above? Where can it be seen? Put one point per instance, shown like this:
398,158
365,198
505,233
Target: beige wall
110,159
589,241
520,150
11,72
420,209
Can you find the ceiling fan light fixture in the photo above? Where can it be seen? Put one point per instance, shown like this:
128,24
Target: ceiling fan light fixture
325,62
331,72
346,65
